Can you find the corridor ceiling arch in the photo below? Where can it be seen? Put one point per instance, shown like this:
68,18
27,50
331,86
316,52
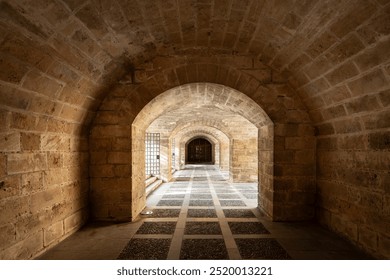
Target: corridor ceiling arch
206,96
75,74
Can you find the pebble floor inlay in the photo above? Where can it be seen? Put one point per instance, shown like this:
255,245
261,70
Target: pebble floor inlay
201,203
186,231
200,196
247,228
145,249
173,196
238,213
203,249
157,228
228,196
267,249
250,195
197,217
232,203
165,213
201,213
170,203
206,228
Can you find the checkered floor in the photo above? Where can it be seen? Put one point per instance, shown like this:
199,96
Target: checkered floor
200,215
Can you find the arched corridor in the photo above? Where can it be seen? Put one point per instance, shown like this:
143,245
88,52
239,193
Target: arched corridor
199,151
292,95
200,215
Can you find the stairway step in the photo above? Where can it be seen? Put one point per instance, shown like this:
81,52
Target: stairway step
152,187
150,180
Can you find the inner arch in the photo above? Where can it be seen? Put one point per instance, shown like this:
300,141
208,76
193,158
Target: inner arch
217,106
199,151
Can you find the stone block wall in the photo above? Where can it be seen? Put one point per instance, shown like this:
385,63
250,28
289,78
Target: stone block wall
266,170
294,156
110,172
343,78
43,183
244,160
288,202
43,146
59,59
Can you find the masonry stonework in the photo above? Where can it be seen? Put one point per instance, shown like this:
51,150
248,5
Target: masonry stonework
76,76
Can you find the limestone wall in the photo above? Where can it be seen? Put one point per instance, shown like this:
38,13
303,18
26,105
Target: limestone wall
343,78
327,60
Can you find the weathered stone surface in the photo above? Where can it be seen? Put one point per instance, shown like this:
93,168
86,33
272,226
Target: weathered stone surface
53,233
30,141
343,72
37,82
10,142
11,70
384,244
77,69
74,221
372,82
26,162
379,140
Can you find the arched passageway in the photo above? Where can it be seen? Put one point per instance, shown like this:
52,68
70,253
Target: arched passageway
75,74
256,155
199,151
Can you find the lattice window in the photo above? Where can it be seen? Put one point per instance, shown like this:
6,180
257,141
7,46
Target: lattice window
152,153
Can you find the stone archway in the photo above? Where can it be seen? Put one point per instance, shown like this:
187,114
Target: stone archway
217,137
281,196
199,151
223,102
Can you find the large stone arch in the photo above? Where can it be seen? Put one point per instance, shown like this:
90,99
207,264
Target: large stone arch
335,54
228,102
287,162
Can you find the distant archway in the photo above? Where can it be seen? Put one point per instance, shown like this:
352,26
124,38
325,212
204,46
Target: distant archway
199,151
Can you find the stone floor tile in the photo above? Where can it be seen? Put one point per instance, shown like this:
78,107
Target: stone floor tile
262,249
164,213
170,202
203,249
231,202
205,228
173,196
200,196
157,228
186,224
228,196
201,203
238,213
247,228
201,213
145,249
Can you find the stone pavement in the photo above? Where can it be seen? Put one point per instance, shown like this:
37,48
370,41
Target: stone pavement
200,215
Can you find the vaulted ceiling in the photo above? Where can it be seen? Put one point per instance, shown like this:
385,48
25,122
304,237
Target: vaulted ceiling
61,57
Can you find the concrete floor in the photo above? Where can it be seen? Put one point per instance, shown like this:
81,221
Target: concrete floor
202,216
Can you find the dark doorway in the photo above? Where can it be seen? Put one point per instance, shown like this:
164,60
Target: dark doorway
199,150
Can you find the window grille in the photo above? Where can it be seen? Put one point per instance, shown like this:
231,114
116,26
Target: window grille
152,153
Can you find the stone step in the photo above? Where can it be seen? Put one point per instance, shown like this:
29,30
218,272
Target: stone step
152,187
150,180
